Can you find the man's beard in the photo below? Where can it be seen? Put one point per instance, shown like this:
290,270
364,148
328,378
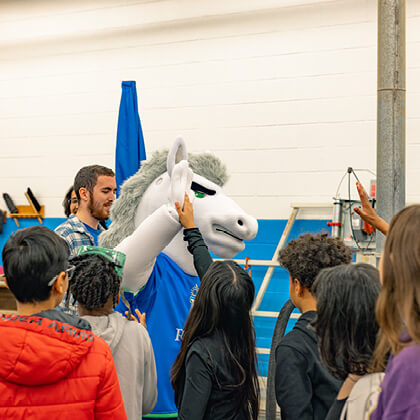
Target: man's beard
97,210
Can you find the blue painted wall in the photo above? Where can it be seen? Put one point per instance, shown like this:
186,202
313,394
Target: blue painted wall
10,226
261,248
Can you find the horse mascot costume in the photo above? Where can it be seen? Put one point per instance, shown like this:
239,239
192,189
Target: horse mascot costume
159,277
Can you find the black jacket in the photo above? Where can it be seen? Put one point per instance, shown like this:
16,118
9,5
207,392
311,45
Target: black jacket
304,388
206,391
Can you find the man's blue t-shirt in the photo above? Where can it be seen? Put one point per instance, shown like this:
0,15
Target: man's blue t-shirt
167,299
94,232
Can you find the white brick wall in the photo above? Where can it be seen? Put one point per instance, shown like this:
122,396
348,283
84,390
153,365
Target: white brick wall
284,91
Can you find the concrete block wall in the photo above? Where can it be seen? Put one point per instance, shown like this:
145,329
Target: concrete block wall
284,91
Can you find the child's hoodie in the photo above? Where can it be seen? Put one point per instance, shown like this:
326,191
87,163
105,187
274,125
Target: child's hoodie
134,360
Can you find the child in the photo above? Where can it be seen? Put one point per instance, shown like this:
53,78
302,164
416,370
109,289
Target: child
346,328
95,286
398,314
304,388
214,375
51,365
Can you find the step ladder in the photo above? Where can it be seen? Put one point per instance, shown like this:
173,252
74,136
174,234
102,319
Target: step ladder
273,263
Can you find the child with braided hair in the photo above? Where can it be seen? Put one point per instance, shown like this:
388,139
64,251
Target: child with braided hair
96,287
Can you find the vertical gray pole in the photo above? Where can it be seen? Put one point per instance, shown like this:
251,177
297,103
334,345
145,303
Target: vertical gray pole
390,161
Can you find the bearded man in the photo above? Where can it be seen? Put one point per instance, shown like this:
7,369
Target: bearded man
95,188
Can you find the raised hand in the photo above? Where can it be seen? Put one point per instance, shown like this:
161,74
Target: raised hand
367,213
185,213
141,317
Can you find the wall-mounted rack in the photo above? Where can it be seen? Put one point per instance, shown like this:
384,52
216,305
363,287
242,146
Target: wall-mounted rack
28,212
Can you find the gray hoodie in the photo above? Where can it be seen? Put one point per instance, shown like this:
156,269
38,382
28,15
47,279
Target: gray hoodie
134,360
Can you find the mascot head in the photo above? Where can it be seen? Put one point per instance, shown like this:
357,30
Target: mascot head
223,224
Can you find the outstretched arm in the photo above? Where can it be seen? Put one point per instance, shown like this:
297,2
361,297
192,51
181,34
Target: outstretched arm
192,235
367,213
144,245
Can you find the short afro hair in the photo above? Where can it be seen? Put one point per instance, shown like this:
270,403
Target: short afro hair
306,256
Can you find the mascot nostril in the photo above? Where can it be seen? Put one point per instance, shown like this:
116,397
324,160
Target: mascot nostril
159,277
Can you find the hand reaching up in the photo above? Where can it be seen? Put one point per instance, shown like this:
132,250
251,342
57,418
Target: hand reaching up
141,317
186,213
367,213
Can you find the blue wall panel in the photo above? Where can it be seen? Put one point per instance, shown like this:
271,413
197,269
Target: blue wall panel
10,226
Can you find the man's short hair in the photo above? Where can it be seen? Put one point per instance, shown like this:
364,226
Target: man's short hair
88,176
306,256
32,257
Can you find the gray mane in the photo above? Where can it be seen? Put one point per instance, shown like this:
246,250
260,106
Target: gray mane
124,208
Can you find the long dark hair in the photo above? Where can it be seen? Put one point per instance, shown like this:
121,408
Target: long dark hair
223,305
345,324
398,307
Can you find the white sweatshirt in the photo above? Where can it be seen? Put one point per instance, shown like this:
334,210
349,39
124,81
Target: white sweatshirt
134,360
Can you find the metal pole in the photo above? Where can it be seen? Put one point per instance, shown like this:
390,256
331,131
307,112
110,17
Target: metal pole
391,111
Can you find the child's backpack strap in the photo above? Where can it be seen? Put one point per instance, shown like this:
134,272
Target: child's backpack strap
363,397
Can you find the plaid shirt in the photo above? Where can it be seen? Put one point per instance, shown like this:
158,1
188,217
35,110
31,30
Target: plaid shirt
74,232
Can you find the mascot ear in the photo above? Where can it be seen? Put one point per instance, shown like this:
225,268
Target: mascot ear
177,153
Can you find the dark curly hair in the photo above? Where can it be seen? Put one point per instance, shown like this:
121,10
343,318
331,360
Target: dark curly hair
94,281
306,256
67,201
345,324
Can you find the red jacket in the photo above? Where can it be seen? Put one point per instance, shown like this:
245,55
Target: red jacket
55,370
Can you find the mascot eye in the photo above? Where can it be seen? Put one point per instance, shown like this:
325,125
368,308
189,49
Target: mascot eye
200,191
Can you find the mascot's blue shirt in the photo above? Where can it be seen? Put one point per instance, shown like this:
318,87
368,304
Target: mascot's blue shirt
166,299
